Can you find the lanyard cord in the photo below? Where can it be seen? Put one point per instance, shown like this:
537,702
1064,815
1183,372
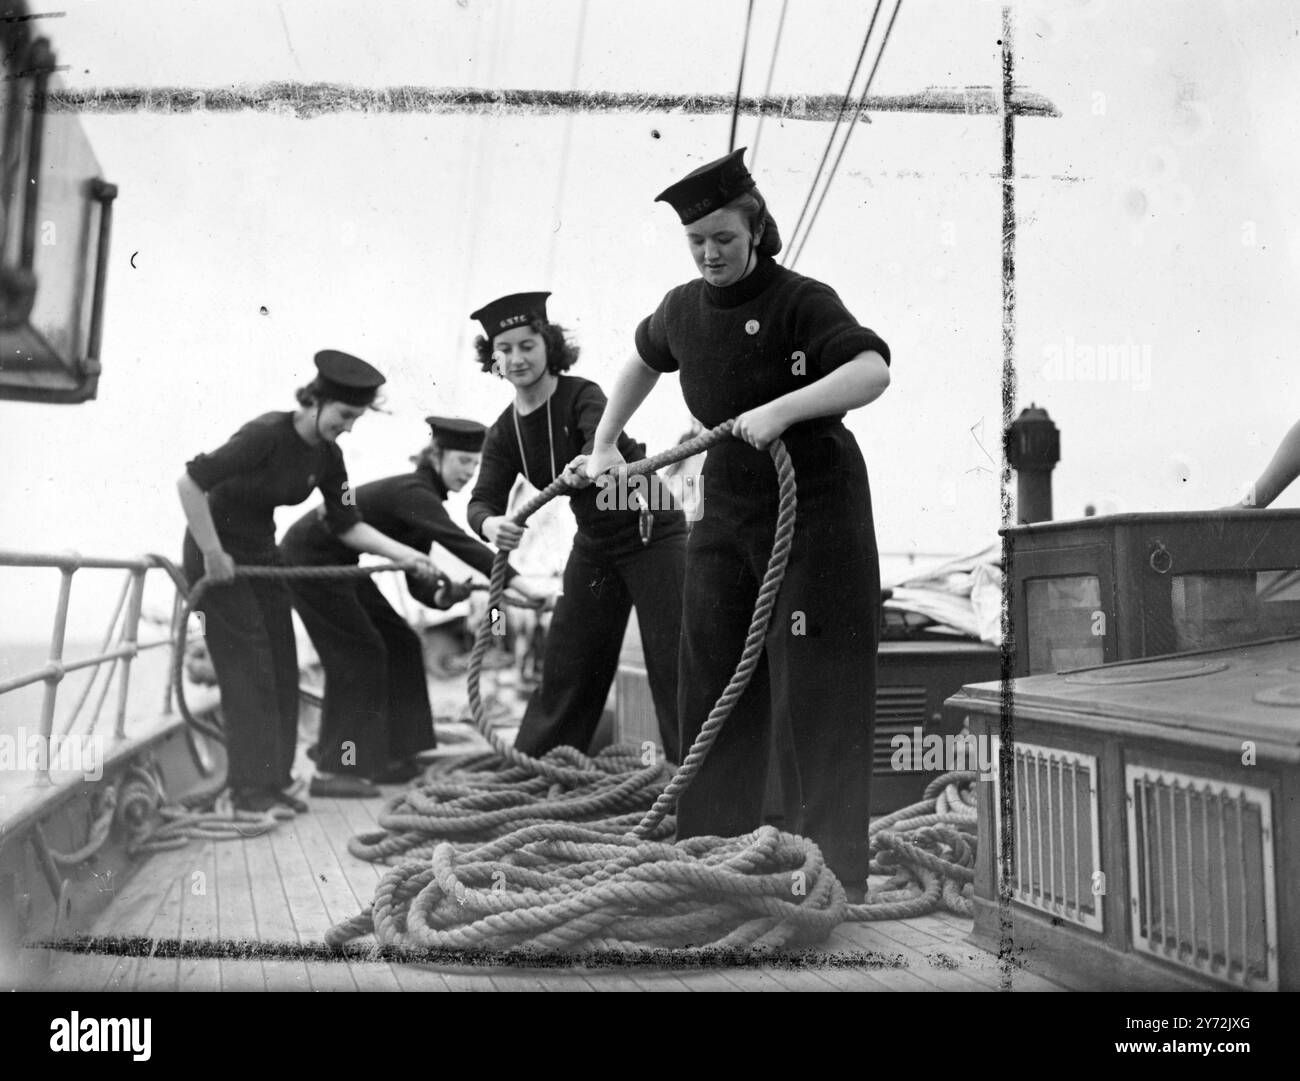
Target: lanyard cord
550,432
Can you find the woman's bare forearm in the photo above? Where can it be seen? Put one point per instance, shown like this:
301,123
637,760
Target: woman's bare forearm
198,515
634,383
1280,472
850,386
366,538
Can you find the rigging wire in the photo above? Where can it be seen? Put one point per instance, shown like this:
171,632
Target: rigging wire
767,89
848,134
839,116
481,178
740,78
567,146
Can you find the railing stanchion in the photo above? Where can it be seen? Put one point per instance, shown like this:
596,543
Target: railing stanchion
54,671
131,632
178,613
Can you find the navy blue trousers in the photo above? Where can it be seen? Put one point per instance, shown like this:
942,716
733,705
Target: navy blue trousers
603,580
816,679
376,698
248,625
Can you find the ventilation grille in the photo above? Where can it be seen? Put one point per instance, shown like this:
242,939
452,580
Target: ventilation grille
1057,853
1201,866
899,711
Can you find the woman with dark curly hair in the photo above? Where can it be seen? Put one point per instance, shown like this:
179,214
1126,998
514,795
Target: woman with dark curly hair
624,556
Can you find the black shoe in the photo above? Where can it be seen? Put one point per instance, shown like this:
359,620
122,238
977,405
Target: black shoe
399,771
344,786
256,800
855,892
292,802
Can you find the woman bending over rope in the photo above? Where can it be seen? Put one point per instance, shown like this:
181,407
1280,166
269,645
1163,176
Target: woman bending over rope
229,498
376,715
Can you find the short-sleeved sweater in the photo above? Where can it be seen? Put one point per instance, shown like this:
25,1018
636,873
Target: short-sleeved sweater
264,465
744,345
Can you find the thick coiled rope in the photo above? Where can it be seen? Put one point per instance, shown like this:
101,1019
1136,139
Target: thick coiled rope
154,823
562,886
139,807
489,797
928,849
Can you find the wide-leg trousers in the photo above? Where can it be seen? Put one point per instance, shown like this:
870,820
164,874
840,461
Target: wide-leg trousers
603,580
376,707
816,677
248,627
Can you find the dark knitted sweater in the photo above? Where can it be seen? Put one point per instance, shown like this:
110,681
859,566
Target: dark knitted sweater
264,465
744,345
409,508
576,408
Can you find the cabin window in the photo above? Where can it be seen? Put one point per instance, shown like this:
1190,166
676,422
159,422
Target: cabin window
1066,626
1223,609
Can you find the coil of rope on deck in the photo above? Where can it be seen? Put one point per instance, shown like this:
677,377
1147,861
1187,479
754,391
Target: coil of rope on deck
607,884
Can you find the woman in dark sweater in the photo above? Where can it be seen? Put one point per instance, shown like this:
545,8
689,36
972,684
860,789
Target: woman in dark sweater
376,715
622,557
780,353
229,498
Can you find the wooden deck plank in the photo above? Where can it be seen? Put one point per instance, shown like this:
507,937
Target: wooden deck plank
922,957
306,908
134,909
154,973
359,816
338,898
48,970
611,979
417,976
657,980
61,970
236,921
962,957
778,978
885,977
209,973
514,979
199,921
274,922
706,979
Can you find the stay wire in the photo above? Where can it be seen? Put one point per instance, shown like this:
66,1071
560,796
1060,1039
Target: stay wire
794,258
767,89
567,147
740,78
839,116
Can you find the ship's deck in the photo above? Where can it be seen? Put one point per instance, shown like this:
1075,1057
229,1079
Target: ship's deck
289,886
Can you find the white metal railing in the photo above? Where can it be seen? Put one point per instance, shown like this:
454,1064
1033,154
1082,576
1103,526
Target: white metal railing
1201,867
120,645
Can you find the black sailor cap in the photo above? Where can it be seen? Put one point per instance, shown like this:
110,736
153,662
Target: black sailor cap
506,313
709,187
454,433
346,378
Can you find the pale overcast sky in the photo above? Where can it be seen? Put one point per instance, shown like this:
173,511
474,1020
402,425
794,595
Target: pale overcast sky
1157,216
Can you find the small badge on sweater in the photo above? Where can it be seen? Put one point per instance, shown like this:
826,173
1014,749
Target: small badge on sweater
751,327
